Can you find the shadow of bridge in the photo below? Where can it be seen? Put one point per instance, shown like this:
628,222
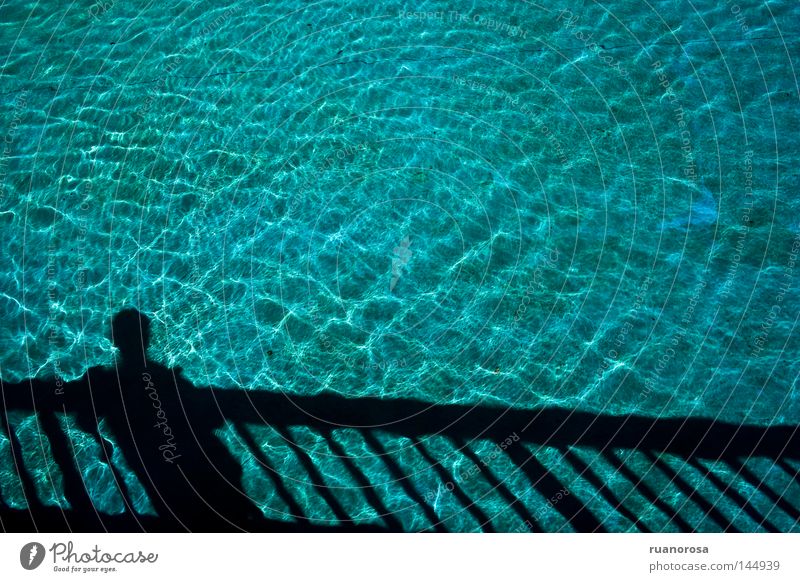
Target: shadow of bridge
147,421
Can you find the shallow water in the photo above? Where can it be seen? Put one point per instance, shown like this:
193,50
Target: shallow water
472,205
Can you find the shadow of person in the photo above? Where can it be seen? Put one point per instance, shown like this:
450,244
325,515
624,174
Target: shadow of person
164,428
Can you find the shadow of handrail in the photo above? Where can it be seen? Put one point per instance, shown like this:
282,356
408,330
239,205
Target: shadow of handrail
198,486
556,427
693,439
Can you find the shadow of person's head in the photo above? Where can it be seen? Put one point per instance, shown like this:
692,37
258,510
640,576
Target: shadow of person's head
130,333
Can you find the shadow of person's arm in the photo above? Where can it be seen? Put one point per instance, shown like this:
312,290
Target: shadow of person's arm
33,395
49,395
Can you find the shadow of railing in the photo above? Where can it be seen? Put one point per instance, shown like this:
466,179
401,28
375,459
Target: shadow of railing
691,439
200,489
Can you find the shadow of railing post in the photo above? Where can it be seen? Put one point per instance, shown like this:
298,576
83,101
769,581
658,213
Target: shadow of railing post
363,483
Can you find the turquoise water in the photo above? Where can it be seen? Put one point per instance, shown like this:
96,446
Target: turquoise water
471,203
